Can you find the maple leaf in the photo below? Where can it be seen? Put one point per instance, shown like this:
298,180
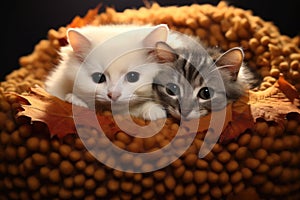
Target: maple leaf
241,119
274,103
59,115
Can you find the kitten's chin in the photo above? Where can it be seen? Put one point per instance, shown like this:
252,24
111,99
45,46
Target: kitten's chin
102,106
114,106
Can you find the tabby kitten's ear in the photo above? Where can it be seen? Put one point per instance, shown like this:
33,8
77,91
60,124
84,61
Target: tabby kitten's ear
164,53
231,61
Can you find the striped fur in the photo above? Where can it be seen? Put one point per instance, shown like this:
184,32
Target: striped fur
194,70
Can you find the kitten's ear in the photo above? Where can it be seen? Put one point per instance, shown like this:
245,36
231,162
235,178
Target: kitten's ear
159,34
231,61
164,53
79,43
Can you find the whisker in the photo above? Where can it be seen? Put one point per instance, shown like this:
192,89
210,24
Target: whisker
224,66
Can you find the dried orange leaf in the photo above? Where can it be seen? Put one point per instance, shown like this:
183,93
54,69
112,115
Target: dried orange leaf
274,103
289,90
59,115
241,119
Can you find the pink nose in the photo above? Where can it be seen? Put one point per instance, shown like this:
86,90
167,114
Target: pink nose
114,95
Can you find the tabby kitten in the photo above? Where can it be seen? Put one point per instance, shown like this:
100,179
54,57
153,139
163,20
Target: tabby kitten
198,80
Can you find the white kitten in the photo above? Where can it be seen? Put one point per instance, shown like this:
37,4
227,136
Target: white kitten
108,65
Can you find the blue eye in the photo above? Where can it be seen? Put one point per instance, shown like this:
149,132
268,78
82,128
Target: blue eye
132,77
98,77
172,89
206,93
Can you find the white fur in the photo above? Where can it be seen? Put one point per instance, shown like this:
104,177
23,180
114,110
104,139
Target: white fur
113,54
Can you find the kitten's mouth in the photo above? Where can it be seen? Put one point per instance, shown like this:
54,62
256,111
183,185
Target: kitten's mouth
175,113
185,113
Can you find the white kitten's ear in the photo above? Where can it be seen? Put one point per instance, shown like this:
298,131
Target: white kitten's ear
164,53
159,34
79,43
231,61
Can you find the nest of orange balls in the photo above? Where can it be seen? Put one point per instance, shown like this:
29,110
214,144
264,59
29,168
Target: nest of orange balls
262,163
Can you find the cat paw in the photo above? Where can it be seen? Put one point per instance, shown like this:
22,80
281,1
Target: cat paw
71,98
156,112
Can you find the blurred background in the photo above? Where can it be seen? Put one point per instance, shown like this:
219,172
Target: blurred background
25,23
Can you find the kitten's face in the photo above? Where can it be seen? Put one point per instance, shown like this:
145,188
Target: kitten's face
189,98
193,83
117,71
128,79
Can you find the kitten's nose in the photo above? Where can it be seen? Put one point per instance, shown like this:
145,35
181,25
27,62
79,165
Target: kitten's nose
185,113
114,95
